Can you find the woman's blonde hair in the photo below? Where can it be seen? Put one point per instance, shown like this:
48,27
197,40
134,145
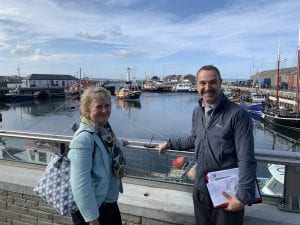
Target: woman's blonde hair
89,95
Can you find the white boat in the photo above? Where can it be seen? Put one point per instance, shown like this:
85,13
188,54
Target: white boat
258,98
183,87
149,86
227,92
274,185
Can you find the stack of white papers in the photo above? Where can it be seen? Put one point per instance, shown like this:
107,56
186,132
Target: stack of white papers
225,180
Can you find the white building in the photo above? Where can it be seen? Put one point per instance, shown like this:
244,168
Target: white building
49,80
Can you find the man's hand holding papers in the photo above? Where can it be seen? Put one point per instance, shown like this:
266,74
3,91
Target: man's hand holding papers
222,186
233,203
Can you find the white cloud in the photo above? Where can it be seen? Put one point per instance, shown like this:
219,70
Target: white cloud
38,55
115,31
238,31
126,53
4,45
21,49
8,12
119,2
87,35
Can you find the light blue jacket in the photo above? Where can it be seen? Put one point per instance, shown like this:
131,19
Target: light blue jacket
92,179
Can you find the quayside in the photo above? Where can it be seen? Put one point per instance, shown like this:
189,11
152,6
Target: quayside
155,191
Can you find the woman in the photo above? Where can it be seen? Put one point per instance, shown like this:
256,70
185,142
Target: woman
97,162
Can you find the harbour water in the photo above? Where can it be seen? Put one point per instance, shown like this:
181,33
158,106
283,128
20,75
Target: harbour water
155,116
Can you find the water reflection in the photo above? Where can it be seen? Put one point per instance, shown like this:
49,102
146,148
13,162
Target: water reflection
3,106
157,116
127,104
40,108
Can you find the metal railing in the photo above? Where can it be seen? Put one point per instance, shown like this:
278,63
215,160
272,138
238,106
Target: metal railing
278,171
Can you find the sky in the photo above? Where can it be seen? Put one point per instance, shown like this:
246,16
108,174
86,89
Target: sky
102,38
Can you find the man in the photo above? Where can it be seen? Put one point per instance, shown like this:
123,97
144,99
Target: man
222,136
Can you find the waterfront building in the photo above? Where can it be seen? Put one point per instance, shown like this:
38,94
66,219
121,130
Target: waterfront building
49,80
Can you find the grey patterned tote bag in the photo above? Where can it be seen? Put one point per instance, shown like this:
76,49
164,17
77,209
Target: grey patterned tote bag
54,186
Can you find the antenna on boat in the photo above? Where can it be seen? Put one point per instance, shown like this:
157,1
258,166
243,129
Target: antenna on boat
150,145
80,75
277,77
298,72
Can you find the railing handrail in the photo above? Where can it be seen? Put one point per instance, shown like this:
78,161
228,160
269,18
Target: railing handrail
278,157
262,155
36,136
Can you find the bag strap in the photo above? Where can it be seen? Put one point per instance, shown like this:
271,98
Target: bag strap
63,146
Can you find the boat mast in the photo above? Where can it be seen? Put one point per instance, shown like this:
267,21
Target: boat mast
298,73
80,75
277,77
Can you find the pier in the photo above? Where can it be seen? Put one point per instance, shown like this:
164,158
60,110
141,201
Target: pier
149,196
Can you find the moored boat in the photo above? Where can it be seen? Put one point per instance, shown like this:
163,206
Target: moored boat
255,110
183,87
126,93
255,105
149,86
128,90
17,96
77,89
281,116
258,98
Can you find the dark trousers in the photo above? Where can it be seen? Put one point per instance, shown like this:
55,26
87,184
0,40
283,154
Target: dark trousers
109,215
205,214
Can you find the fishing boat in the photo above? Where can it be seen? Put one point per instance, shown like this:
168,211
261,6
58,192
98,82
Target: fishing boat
129,90
255,105
127,93
149,86
281,116
258,98
16,95
255,110
184,86
77,89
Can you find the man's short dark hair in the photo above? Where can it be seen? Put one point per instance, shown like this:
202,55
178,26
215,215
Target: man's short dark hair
209,67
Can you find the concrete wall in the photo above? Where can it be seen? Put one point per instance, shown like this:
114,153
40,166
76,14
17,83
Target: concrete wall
143,202
141,205
24,209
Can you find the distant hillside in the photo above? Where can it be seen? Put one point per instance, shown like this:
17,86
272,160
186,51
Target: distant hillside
272,73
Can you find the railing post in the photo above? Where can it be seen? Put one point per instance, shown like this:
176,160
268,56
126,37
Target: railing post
62,148
291,190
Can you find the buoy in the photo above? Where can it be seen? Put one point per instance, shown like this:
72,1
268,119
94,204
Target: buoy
178,162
